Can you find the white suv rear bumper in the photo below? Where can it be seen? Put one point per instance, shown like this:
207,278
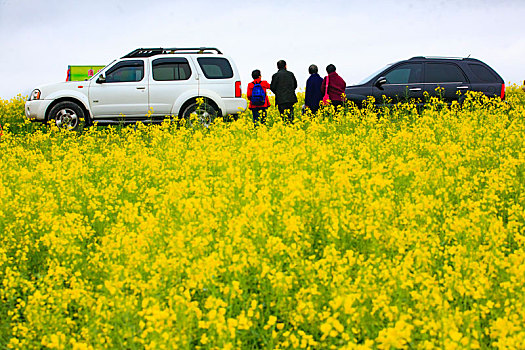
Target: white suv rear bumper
234,105
36,109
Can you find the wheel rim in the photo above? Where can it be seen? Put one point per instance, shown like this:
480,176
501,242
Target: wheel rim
205,118
204,115
66,118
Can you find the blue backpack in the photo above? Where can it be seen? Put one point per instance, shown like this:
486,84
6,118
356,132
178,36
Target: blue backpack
258,95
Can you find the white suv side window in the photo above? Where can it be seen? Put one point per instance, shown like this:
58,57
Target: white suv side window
126,71
215,67
169,69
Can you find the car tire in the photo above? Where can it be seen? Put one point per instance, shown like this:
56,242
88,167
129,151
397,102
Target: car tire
68,115
204,114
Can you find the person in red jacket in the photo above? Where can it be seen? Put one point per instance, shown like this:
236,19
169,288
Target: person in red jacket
258,104
336,86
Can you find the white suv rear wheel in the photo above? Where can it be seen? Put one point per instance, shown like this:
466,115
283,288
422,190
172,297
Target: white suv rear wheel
203,114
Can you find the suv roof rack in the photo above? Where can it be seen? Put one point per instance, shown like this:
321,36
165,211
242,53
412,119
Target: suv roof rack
148,52
438,57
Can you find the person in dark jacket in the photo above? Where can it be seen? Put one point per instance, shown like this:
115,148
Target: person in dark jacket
313,94
336,86
259,112
283,85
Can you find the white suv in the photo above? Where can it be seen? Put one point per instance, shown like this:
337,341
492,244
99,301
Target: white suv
146,84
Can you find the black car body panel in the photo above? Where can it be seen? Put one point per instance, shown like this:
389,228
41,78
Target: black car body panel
448,78
358,93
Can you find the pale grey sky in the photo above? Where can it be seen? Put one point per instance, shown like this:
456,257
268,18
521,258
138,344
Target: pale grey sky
40,38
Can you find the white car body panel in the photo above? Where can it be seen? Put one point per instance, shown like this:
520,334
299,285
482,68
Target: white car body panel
164,94
79,94
188,95
119,99
234,105
112,100
36,110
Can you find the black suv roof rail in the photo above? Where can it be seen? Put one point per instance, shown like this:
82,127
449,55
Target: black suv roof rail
439,57
148,52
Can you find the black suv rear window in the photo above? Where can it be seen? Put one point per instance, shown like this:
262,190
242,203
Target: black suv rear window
215,67
443,73
483,73
168,69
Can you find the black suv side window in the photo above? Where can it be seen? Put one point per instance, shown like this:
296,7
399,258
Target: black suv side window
168,69
443,73
408,73
483,73
126,71
215,67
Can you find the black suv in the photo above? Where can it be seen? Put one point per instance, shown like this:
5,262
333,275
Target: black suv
411,78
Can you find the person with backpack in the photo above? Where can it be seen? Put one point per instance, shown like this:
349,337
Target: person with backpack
259,101
313,95
283,85
336,86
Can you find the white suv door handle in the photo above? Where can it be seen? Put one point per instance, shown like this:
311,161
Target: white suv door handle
141,87
462,87
415,89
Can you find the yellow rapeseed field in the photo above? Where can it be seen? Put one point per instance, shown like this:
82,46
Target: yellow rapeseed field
359,229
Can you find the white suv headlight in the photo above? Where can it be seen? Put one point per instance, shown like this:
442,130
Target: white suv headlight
35,95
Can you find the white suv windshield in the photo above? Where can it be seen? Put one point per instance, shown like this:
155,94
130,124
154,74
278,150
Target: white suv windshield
102,70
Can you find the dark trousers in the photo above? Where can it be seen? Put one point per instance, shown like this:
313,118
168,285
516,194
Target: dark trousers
337,103
286,111
312,109
259,115
333,103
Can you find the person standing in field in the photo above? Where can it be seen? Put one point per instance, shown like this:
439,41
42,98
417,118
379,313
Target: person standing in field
336,86
313,94
283,86
259,101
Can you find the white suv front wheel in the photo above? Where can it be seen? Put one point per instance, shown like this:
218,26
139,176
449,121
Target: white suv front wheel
67,115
